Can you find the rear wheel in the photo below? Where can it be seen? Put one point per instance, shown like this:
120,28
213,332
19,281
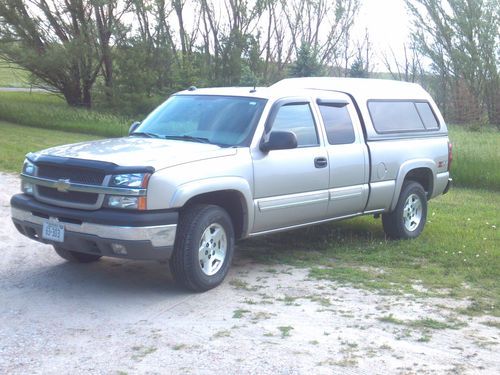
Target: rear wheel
76,257
408,219
204,247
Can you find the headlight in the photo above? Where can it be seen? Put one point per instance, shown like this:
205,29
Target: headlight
130,180
28,167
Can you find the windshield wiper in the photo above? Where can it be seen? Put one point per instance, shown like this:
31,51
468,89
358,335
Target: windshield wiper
189,138
146,134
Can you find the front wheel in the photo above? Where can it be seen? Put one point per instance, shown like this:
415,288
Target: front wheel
204,247
408,219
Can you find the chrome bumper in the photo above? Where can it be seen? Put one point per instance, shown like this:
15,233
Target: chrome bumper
159,236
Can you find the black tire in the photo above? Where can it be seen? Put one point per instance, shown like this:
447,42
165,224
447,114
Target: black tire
76,257
186,266
402,222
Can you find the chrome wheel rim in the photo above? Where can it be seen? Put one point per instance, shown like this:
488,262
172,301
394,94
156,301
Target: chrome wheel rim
412,212
213,248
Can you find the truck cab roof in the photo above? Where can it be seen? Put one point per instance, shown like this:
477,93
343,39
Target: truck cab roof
362,89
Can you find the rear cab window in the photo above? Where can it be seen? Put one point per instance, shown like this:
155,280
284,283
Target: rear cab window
338,123
395,116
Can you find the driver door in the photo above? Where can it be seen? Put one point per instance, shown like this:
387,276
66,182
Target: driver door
291,186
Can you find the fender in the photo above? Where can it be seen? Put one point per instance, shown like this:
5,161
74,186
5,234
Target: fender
406,167
211,185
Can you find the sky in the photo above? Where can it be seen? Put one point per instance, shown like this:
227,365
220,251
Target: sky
388,24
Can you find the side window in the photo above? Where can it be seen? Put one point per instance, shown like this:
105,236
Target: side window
338,124
428,117
402,116
297,118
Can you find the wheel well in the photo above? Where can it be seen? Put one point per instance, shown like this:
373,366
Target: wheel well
230,200
424,177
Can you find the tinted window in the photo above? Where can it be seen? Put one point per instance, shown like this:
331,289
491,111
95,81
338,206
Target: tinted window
393,116
223,120
425,111
298,119
338,124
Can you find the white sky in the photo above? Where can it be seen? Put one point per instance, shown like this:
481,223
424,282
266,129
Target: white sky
388,25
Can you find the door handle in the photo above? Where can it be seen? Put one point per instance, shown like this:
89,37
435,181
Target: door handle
320,162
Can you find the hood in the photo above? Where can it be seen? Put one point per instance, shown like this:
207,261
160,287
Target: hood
133,151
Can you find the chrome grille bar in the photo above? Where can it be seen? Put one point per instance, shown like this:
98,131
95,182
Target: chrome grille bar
70,186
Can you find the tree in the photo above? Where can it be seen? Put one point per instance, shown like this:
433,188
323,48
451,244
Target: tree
52,43
409,69
361,67
138,49
358,69
107,20
307,63
63,43
461,37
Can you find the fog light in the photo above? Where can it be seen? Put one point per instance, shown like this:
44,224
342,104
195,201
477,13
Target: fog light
118,249
27,187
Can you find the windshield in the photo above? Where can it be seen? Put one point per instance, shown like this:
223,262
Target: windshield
221,120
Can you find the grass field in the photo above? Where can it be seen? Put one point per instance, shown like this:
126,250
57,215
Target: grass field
476,158
49,111
16,141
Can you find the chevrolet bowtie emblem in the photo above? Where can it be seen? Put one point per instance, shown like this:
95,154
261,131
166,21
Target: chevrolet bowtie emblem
62,185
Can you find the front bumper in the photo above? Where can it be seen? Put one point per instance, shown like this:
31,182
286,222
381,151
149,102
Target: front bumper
142,235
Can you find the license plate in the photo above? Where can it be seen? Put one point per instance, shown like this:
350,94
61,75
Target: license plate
53,231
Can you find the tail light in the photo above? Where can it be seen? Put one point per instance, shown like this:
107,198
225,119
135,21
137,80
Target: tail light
450,155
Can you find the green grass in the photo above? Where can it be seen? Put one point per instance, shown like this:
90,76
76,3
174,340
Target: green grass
476,158
16,141
457,255
425,323
49,111
13,76
239,313
285,331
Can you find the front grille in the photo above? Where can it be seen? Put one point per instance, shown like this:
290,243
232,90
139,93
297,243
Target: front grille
70,196
74,174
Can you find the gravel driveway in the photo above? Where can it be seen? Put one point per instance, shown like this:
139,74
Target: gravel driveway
118,317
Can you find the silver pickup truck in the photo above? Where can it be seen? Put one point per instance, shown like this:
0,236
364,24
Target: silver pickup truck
211,166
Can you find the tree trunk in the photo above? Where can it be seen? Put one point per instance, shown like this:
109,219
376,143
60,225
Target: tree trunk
108,72
72,93
86,96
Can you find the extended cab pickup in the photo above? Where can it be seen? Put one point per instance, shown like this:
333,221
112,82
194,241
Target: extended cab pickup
211,166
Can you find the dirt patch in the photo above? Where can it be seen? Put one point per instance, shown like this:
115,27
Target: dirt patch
119,316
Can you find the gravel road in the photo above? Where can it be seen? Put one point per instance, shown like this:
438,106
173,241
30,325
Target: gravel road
117,317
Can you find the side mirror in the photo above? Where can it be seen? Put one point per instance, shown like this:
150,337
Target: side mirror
279,140
134,126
